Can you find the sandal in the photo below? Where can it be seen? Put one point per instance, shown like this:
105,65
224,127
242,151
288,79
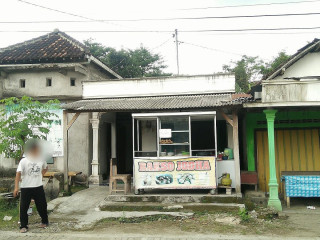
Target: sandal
43,225
23,230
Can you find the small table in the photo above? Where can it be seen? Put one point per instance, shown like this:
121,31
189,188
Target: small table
71,175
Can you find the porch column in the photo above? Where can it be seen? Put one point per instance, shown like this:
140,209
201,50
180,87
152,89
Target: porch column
274,200
95,177
236,151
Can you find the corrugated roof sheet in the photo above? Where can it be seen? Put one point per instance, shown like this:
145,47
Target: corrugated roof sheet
156,103
55,47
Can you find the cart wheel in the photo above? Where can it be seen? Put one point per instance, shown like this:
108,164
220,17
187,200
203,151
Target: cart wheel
136,191
213,191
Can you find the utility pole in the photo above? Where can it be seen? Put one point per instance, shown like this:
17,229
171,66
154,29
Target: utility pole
177,49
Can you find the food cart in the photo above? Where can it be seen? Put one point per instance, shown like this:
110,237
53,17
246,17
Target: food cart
174,150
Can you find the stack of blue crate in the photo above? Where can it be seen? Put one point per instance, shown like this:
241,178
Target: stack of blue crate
302,186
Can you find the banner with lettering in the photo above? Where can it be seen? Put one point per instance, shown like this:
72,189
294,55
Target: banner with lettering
184,173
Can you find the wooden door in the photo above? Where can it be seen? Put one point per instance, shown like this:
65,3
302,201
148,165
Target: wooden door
295,150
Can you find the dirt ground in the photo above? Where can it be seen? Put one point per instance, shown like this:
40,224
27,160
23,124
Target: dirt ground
298,221
305,222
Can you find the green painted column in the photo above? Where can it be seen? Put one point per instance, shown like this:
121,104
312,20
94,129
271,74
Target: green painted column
274,200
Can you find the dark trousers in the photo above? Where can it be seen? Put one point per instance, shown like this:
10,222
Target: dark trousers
37,194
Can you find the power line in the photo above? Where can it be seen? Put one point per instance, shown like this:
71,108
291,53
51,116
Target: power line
167,19
161,44
208,48
246,5
56,10
63,12
213,17
213,49
261,33
251,29
166,31
49,21
88,31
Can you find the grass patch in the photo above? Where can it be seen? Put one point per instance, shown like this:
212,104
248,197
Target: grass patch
4,190
213,199
144,219
9,208
75,189
243,214
134,208
196,209
7,172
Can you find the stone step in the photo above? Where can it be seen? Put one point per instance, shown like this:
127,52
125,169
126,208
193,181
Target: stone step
162,207
249,194
171,199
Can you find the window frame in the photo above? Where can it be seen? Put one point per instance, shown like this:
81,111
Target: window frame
72,82
22,83
157,116
49,80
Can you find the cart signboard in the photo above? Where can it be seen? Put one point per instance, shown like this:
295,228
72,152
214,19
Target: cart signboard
165,133
184,173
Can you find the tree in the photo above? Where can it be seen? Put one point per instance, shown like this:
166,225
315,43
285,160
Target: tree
129,63
23,119
275,63
249,69
245,70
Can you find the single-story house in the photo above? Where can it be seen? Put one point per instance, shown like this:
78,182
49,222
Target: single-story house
282,124
145,122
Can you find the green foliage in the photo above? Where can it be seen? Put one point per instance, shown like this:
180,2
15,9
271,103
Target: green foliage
19,120
245,69
277,61
7,172
243,214
249,69
9,207
128,63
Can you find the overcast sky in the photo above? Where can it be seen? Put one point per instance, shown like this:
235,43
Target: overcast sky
217,48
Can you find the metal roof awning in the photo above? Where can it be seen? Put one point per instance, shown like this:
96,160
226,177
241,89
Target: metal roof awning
157,103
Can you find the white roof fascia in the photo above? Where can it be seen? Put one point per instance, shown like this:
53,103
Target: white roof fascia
101,64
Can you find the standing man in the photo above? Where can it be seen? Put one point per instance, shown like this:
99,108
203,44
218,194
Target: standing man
30,172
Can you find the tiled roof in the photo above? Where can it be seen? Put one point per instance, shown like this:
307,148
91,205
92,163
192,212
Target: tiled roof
155,103
55,47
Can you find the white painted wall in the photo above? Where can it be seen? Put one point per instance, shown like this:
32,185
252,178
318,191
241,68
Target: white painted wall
219,83
149,136
226,166
230,135
309,65
280,89
36,84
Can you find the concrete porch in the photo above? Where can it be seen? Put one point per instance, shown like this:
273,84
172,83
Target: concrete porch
89,206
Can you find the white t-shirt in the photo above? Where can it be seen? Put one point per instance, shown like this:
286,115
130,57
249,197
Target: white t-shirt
31,173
